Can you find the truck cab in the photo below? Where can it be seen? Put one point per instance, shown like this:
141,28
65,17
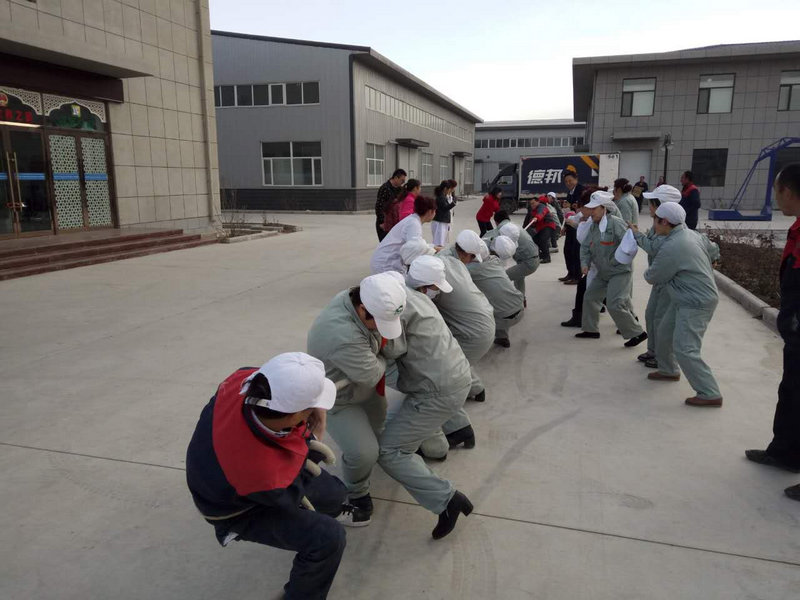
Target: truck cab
507,180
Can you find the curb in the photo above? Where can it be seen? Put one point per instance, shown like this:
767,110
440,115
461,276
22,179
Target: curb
247,238
751,303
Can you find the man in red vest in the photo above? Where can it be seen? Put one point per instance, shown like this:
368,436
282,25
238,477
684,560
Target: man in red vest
784,450
252,468
690,199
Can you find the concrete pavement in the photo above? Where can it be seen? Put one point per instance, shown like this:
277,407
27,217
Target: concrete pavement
588,481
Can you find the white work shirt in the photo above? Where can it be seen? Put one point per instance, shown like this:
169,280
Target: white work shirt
387,255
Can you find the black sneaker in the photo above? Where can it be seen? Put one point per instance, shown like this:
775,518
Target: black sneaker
793,492
504,342
646,356
459,505
480,396
588,335
364,503
651,363
352,516
635,341
465,435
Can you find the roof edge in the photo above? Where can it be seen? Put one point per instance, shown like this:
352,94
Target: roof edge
267,38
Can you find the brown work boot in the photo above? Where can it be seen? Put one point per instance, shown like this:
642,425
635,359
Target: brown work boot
659,376
696,401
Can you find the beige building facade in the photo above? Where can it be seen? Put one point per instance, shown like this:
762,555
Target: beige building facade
107,116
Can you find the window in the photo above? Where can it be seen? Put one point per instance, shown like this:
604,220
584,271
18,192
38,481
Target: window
217,101
444,168
715,94
550,142
534,142
311,92
506,142
513,142
709,165
227,95
477,143
492,143
426,167
244,95
565,141
375,161
294,93
789,97
260,95
292,163
276,93
638,97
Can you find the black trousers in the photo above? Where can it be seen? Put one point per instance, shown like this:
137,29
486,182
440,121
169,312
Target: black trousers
484,226
572,253
579,293
786,426
542,239
379,230
317,537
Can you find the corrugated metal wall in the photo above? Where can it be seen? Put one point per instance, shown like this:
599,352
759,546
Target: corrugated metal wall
242,129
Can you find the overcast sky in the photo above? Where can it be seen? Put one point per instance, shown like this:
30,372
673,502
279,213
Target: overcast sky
511,59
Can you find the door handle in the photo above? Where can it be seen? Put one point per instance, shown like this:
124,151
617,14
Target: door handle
17,204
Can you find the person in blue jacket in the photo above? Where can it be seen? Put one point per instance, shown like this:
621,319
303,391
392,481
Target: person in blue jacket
252,468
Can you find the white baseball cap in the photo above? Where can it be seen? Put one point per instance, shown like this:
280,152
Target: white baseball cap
429,270
413,248
384,296
470,242
600,198
510,230
504,246
552,195
484,251
672,212
664,193
296,381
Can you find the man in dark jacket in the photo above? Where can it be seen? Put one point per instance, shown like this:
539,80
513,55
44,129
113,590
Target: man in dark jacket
572,249
691,199
252,468
784,450
387,194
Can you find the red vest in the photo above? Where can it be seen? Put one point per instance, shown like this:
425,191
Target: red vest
251,462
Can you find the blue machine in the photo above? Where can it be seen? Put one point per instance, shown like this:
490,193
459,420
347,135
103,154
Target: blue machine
732,213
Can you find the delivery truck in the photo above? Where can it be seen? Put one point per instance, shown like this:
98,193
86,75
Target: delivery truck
537,175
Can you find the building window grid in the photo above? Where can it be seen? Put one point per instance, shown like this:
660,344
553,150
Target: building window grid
444,168
288,164
245,95
375,164
554,142
715,94
638,97
399,109
426,167
789,91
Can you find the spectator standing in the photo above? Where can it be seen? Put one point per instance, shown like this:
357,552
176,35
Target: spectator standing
491,204
625,202
661,180
784,450
642,184
440,226
386,256
691,199
387,194
410,191
572,249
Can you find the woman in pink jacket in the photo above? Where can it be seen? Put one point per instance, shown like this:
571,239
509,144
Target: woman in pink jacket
409,193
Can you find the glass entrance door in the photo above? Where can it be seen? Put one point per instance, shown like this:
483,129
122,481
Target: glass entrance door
23,185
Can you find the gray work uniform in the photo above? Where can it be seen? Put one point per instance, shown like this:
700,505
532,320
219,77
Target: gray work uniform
526,256
468,314
613,279
628,209
351,351
683,266
658,302
507,301
434,374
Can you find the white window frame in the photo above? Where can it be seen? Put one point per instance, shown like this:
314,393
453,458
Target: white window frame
378,162
444,163
636,92
707,82
426,174
291,159
790,89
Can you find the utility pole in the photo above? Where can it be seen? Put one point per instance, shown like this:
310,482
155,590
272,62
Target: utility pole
667,145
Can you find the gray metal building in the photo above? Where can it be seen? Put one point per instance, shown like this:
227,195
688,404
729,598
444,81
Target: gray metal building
501,143
708,110
311,125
